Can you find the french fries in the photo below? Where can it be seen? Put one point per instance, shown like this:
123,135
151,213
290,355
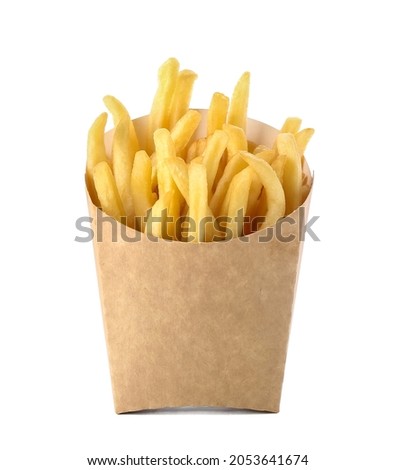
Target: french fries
165,149
239,103
274,191
140,184
212,154
160,111
237,140
217,112
184,129
96,153
292,125
292,176
118,111
181,96
237,202
179,172
107,191
199,230
302,139
175,170
122,163
156,225
232,168
253,197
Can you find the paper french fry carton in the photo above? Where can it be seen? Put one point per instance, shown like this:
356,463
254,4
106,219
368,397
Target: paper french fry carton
198,324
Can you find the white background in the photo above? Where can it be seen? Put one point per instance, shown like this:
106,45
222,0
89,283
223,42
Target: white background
330,63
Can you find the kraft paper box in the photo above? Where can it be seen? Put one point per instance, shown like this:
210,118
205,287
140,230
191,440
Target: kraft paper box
197,324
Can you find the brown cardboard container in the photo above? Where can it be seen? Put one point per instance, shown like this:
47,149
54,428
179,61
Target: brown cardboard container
197,324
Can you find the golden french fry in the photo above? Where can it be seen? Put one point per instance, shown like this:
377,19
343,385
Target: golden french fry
165,148
182,95
261,208
268,155
274,192
237,140
96,153
198,197
251,146
255,191
292,125
154,172
221,168
302,139
191,152
118,111
260,148
236,203
212,154
292,178
107,191
157,225
239,102
184,129
179,172
161,221
159,116
224,209
209,226
116,108
278,165
196,149
174,213
201,145
232,168
140,183
122,163
258,212
216,116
